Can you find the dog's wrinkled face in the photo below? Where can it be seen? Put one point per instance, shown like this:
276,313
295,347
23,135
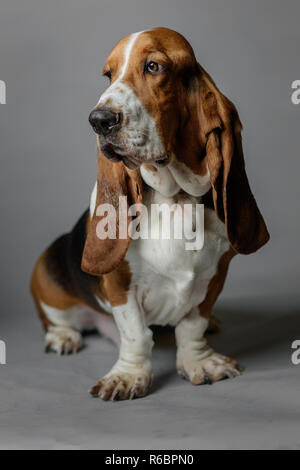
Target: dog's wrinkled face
141,112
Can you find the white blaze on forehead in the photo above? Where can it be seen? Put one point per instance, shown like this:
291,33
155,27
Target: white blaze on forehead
127,52
138,134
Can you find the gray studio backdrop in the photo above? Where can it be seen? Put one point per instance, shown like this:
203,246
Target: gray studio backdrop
51,56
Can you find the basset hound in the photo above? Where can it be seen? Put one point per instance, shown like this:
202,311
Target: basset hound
165,135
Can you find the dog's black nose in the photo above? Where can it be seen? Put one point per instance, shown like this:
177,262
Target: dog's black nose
103,121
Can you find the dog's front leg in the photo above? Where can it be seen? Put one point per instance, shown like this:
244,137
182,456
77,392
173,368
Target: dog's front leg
131,376
196,361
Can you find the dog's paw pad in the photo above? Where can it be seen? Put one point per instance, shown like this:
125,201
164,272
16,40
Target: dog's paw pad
63,340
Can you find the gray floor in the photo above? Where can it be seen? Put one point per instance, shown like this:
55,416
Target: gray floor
44,401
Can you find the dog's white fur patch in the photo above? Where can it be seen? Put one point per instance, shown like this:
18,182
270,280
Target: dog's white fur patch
83,318
170,280
195,185
79,317
168,180
63,340
160,179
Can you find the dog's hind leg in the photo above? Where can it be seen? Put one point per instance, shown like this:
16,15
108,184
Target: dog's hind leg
64,316
60,312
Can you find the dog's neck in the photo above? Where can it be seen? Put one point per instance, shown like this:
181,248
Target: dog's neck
174,178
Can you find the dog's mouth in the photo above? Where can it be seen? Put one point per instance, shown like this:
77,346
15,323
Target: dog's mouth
116,154
110,151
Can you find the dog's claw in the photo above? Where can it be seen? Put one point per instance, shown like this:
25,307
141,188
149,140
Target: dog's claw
125,386
207,380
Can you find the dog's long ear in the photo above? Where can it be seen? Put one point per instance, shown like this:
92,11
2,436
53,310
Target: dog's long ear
114,180
233,200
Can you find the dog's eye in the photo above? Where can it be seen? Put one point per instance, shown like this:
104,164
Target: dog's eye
154,68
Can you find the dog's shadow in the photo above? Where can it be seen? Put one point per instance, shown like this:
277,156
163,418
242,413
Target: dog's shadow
244,333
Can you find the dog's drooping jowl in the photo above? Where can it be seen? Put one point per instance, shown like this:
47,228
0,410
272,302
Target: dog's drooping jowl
166,135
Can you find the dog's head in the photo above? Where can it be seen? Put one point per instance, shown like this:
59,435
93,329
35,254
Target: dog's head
163,110
139,114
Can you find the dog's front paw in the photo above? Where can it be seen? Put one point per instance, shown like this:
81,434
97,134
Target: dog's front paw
211,369
122,386
62,340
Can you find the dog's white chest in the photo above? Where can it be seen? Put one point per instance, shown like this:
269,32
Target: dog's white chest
170,279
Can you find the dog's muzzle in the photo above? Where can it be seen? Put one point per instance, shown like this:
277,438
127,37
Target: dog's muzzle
108,125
